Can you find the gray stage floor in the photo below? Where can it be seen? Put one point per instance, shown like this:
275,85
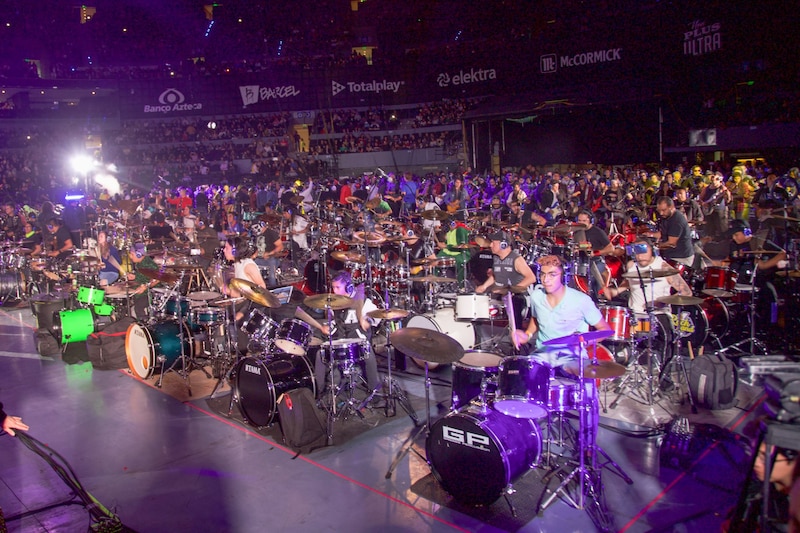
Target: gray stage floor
162,464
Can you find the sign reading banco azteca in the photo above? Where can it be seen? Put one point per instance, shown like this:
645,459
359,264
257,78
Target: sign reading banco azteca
464,78
549,63
252,94
172,100
374,86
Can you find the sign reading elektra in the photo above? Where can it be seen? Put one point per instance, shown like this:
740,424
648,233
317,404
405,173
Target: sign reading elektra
171,101
466,77
551,62
374,86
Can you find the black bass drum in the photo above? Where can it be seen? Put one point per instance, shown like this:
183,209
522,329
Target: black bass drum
476,454
258,385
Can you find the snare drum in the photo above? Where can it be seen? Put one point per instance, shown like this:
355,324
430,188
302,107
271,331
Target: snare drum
476,453
293,336
259,327
472,307
564,394
146,344
619,320
258,385
469,373
720,282
522,387
90,295
344,352
207,316
73,326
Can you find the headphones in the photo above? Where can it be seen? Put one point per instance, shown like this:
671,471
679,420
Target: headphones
588,214
504,241
348,281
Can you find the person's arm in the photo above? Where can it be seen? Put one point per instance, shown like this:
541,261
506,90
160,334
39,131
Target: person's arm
525,336
254,274
679,284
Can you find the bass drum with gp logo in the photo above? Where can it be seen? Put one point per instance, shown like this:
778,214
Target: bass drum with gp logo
476,453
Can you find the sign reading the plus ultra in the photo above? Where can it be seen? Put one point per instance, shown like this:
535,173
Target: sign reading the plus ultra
252,94
702,38
464,78
374,86
171,101
549,63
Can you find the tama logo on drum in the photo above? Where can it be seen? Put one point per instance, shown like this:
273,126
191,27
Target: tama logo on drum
466,438
253,369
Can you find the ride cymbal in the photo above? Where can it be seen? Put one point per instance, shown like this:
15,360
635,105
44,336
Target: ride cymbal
388,314
370,237
329,301
677,299
348,257
426,344
166,277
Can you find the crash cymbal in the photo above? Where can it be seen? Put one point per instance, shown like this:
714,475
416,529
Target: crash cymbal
371,237
434,279
677,299
596,370
204,296
483,242
577,338
427,344
348,257
129,206
650,273
434,214
329,301
166,277
270,217
224,302
254,293
388,314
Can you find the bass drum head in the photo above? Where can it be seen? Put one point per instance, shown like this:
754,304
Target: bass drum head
258,386
475,455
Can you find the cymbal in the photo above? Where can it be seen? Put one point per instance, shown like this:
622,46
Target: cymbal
85,258
567,228
129,206
388,314
204,296
349,257
254,293
577,338
596,370
224,302
329,301
425,261
353,200
316,341
516,289
790,273
482,241
677,299
371,237
434,214
434,279
427,344
650,273
761,252
166,277
270,217
790,219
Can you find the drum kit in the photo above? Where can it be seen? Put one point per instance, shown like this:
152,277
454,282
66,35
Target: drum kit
509,416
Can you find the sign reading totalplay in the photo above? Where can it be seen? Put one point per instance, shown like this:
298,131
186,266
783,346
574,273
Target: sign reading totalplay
374,86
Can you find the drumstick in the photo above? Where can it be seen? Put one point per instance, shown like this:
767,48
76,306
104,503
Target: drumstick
302,315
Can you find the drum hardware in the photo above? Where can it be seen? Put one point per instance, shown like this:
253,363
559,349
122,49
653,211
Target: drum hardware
751,342
590,486
394,392
431,347
227,353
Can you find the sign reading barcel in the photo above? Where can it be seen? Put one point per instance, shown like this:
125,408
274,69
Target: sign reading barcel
172,100
252,94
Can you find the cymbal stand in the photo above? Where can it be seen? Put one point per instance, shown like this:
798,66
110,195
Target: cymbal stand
408,445
677,357
751,341
394,392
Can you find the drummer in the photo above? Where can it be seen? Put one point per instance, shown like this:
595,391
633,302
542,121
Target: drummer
62,241
109,255
457,235
594,240
646,258
237,249
557,311
351,323
31,239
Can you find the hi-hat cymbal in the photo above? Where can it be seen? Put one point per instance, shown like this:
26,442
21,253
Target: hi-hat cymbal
388,314
348,257
166,277
224,302
254,293
577,338
427,344
650,273
204,296
596,370
677,299
434,214
371,237
434,279
329,301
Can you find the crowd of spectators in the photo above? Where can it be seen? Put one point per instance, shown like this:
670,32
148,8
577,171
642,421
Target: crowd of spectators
352,144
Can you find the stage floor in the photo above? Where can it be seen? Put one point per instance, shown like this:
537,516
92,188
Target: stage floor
165,464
